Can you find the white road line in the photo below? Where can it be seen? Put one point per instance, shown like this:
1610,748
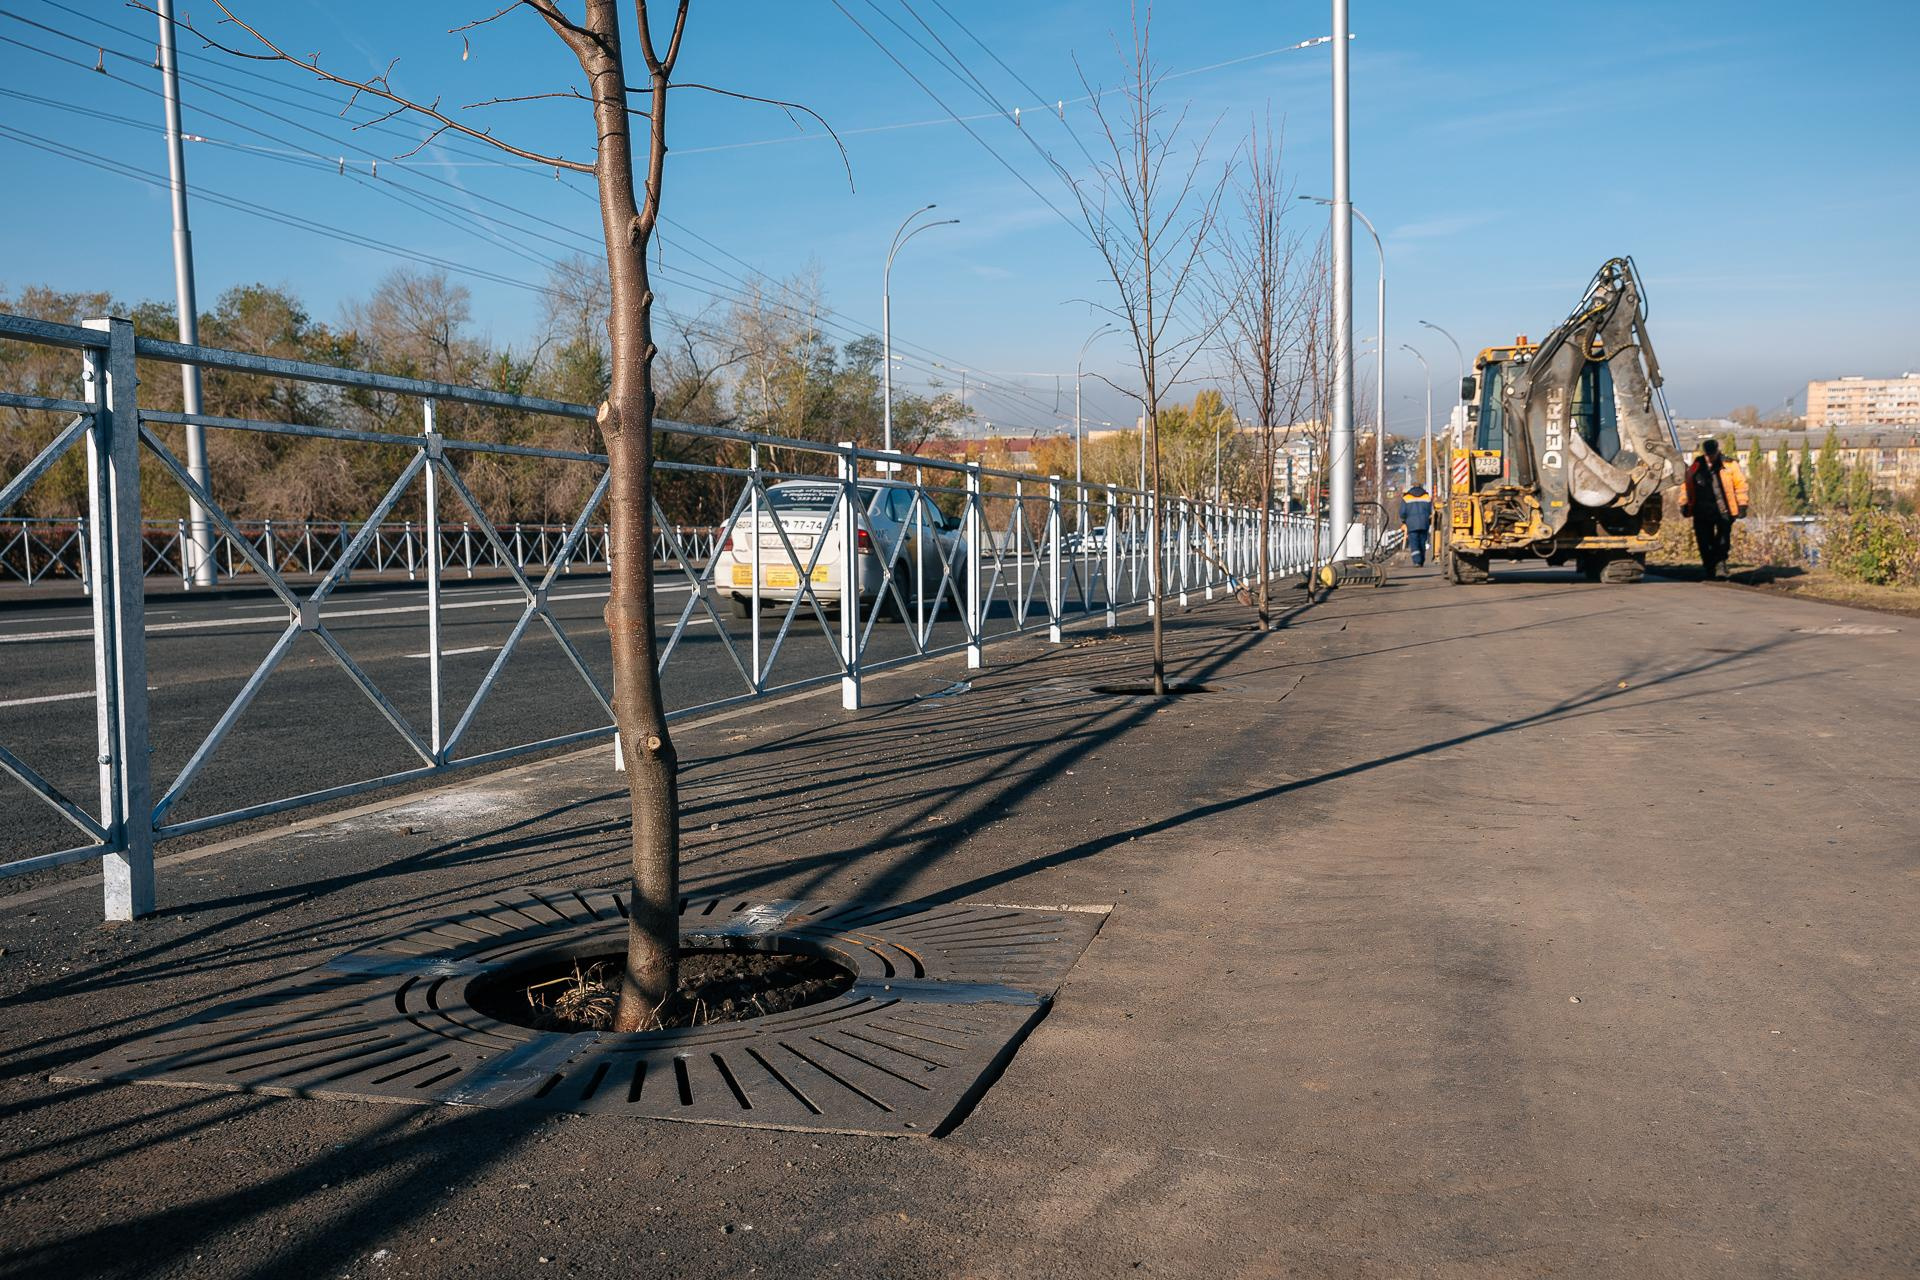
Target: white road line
58,697
209,624
448,653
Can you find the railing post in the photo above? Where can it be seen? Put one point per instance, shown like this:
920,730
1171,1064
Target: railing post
1155,550
408,528
86,557
976,615
432,445
466,545
519,552
849,464
1113,554
1210,529
186,570
1055,606
1023,539
921,504
753,541
1183,530
119,609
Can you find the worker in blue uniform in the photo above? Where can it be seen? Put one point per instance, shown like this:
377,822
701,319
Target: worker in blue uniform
1416,521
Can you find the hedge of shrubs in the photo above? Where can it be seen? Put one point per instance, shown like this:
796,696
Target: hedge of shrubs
1881,548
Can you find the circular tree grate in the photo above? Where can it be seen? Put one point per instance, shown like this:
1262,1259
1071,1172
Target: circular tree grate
939,999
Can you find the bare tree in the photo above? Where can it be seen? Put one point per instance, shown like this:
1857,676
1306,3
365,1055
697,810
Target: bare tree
629,215
1265,311
1150,216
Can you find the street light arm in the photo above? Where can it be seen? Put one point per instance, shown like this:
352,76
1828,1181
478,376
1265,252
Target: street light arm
905,223
1459,356
1377,248
901,243
1095,337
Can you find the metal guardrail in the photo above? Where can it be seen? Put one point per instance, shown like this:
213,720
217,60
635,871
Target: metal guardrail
1053,553
46,549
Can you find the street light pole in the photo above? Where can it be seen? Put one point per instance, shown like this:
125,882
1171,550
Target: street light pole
1340,446
1428,448
1459,357
199,552
1380,362
900,238
1380,371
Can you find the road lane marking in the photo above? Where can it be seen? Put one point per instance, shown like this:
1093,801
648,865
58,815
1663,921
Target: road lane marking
57,697
300,826
448,653
209,624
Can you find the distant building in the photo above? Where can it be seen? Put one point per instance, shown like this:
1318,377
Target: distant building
1864,402
1891,455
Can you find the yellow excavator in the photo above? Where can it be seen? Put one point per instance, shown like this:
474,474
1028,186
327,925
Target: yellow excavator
1568,453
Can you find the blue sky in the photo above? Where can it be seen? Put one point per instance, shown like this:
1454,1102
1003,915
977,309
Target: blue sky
1756,159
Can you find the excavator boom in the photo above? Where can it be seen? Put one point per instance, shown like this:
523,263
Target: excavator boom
1570,450
1573,462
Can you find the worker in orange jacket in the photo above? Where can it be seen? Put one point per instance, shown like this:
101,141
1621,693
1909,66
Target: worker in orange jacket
1715,496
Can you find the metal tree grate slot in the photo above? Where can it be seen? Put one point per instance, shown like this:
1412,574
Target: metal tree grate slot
941,996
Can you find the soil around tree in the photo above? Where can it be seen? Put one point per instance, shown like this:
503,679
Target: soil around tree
1144,689
579,993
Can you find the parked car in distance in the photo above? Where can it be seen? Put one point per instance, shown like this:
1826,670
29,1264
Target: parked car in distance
898,524
1075,542
1094,541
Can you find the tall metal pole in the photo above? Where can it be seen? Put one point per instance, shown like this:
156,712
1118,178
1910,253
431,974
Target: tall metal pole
1380,370
1428,448
1459,356
1340,443
900,238
199,528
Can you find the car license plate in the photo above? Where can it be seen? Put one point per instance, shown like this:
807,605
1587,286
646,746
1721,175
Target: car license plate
787,576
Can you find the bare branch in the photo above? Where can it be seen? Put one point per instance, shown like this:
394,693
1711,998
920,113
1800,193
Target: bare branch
786,107
570,92
378,87
502,12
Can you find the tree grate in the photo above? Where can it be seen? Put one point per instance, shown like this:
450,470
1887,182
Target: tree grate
941,998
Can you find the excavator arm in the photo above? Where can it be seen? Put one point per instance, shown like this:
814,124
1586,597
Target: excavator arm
1562,452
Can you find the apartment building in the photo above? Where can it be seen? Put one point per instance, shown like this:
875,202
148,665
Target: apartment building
1864,402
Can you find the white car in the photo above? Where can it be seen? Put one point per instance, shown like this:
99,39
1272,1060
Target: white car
807,510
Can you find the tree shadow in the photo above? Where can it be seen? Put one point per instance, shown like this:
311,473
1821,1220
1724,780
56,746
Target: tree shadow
930,774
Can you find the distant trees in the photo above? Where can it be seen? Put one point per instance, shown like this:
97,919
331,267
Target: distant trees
763,365
1829,475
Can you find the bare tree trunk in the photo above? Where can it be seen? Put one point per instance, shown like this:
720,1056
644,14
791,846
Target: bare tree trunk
626,421
1266,517
628,217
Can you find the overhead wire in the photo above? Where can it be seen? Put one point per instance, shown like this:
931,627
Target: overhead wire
1007,395
212,84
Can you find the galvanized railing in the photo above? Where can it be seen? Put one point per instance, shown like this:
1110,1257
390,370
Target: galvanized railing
48,549
1020,553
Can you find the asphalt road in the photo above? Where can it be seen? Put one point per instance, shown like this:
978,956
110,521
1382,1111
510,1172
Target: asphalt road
1540,928
310,728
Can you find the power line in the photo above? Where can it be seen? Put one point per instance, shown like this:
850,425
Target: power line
411,198
1021,178
845,331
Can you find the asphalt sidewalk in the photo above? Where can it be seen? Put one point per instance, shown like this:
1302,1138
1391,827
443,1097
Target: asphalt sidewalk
1532,928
